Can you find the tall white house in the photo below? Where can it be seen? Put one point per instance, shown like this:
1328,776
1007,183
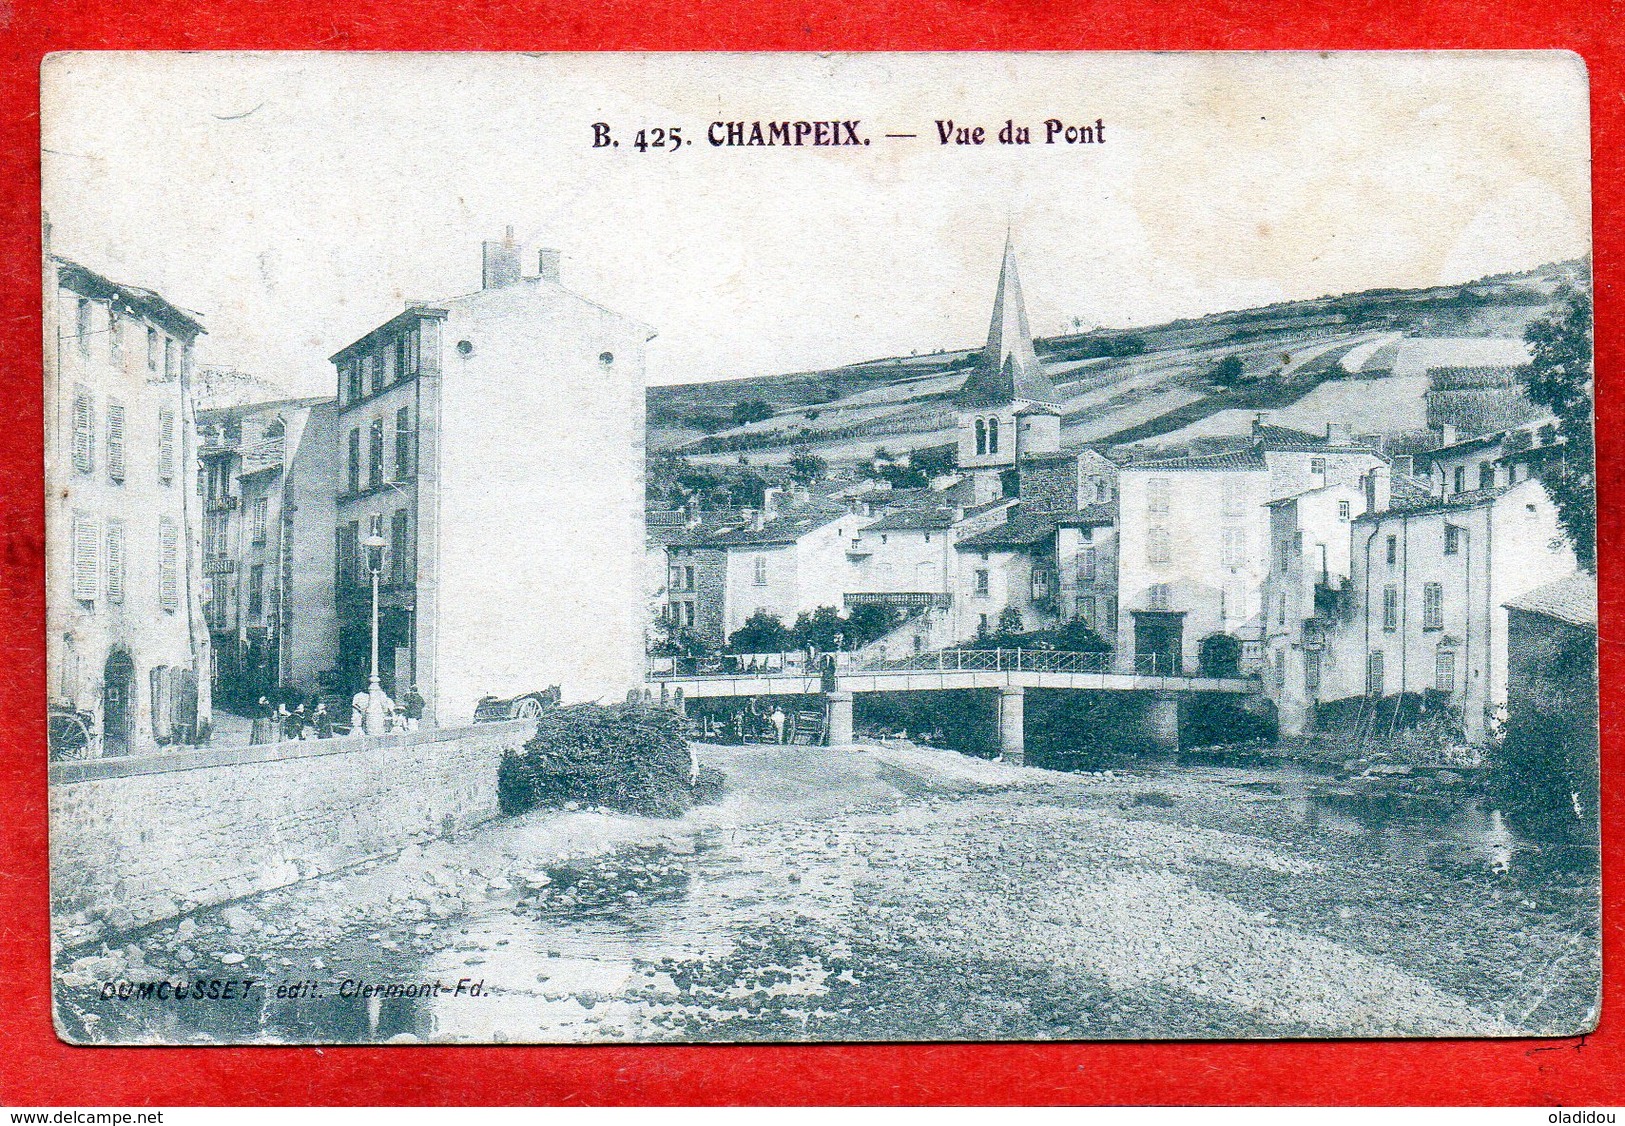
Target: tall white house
494,441
126,646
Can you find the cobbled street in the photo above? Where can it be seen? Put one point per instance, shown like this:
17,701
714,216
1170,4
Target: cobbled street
894,892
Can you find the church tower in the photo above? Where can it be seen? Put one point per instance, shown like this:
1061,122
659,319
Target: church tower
1008,408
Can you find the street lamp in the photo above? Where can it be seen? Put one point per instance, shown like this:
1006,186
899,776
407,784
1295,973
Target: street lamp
375,720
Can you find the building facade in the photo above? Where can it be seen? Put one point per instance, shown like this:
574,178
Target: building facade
266,597
1429,583
126,646
454,421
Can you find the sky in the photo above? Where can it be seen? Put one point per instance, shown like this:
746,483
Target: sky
296,201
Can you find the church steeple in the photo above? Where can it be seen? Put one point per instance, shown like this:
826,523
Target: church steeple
1008,370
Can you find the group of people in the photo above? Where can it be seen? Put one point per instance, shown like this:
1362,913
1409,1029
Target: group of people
296,717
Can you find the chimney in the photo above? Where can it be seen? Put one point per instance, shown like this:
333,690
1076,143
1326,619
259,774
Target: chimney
959,514
1403,464
1260,420
1338,434
759,519
547,264
1447,435
693,510
501,263
1378,489
801,493
770,501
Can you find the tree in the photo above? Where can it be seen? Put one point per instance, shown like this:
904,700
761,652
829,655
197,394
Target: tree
1560,380
1227,372
819,629
751,410
762,633
935,461
807,467
1219,655
870,621
1010,622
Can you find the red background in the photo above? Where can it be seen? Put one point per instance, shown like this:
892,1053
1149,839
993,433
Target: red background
36,1069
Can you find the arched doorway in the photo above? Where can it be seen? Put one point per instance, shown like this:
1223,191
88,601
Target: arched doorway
118,703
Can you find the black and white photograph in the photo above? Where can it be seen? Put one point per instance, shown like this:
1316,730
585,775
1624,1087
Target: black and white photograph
692,548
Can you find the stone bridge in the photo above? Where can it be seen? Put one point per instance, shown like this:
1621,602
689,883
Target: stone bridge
1010,672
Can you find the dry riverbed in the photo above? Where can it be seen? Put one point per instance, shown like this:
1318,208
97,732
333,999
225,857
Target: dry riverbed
894,892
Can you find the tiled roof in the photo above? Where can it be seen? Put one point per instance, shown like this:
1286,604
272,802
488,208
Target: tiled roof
1429,502
1025,529
1475,377
1284,439
1572,600
913,520
787,527
1244,459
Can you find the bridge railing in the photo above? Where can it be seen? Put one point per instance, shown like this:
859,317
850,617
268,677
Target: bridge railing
995,660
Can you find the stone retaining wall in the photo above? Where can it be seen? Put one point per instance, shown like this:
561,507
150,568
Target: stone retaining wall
135,840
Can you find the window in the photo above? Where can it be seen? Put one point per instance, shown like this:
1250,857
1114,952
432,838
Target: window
1235,547
761,570
84,431
387,364
1373,673
1040,586
350,380
1342,510
1390,607
1158,547
1317,466
355,571
1548,434
86,564
1280,610
1086,610
1432,606
981,623
262,510
375,454
1452,539
256,590
172,358
1088,567
1235,498
992,435
1486,475
1444,670
153,349
169,564
214,534
981,437
115,338
688,577
115,561
1461,479
354,465
1157,492
982,581
81,326
403,444
115,440
343,568
1159,597
1392,551
413,340
400,558
369,373
166,446
1311,670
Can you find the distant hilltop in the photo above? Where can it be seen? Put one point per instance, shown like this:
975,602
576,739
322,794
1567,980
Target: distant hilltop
1140,385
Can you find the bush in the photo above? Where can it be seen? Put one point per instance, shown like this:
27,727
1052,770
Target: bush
628,757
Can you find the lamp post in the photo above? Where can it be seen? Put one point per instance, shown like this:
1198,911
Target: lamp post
375,720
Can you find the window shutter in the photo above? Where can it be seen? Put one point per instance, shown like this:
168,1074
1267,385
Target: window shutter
85,545
115,561
169,553
166,445
84,432
115,440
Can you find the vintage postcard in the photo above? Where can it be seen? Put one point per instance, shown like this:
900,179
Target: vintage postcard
661,548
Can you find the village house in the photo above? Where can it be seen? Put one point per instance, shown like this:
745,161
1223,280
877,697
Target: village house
1493,460
1045,568
1429,582
782,559
1552,683
268,591
454,418
1192,540
126,647
1308,576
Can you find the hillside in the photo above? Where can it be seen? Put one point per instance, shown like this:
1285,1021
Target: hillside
1360,358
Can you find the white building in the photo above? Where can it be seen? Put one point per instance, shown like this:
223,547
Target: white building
1193,537
495,442
1429,582
126,646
